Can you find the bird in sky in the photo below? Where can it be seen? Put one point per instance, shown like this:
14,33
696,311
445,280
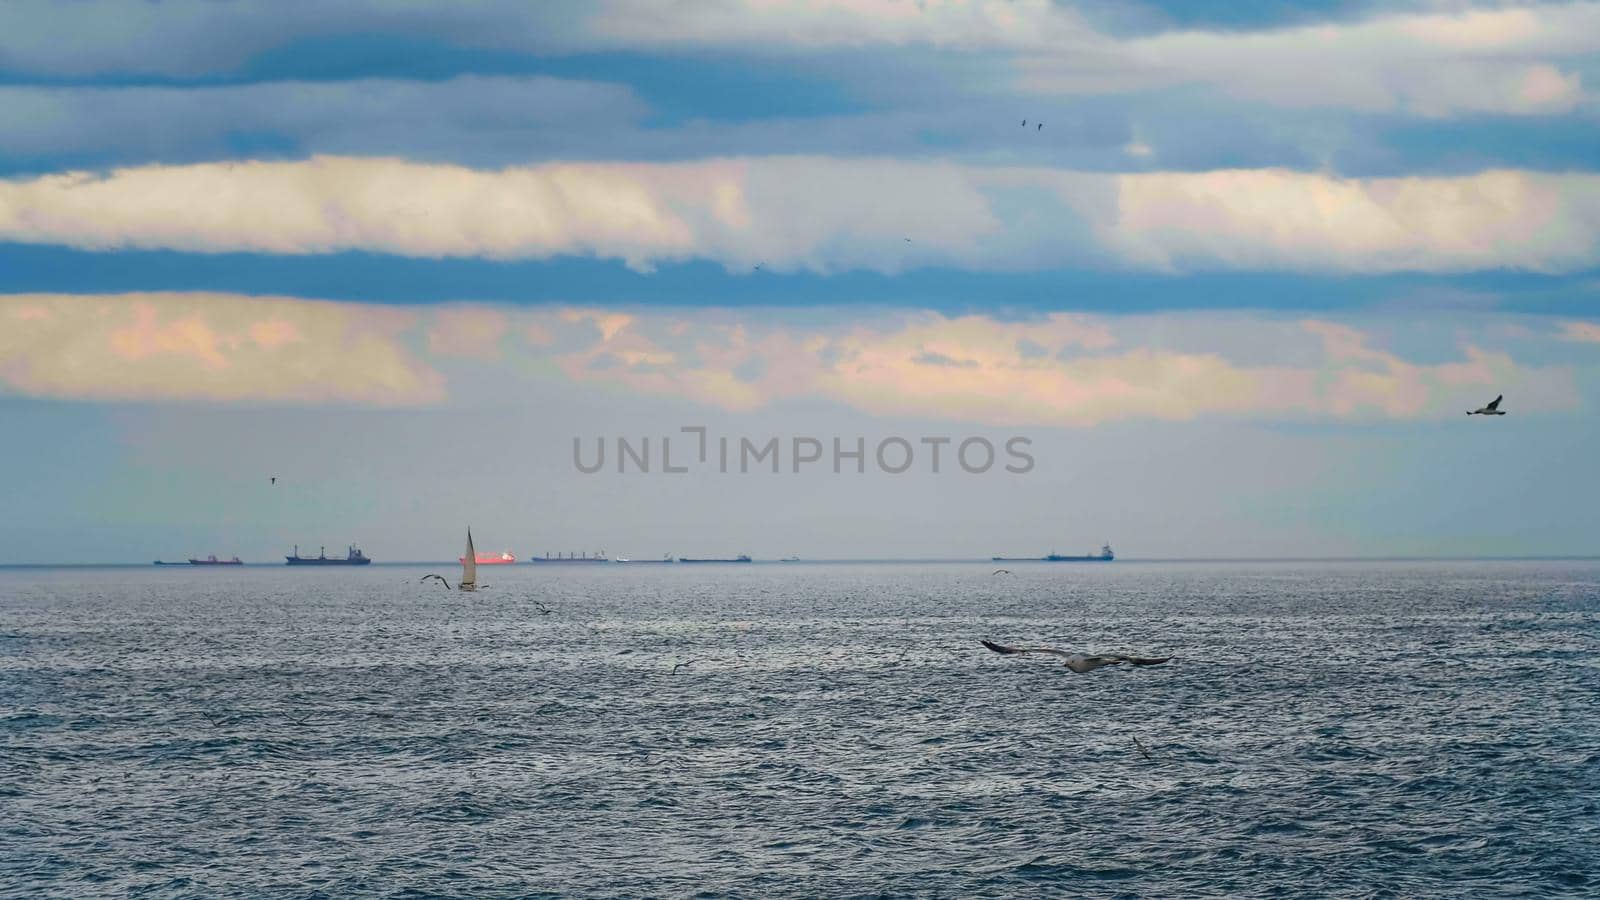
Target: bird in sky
1493,409
274,479
1078,662
1040,128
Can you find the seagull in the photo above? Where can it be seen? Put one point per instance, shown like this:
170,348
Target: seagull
1040,128
681,665
1077,663
1001,572
274,479
1024,123
1493,409
440,577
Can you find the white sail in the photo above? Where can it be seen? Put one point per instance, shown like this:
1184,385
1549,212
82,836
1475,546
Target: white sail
469,566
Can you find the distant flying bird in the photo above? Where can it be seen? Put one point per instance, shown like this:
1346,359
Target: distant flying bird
682,665
274,479
1077,662
1493,409
908,240
1024,123
1040,128
441,580
1001,572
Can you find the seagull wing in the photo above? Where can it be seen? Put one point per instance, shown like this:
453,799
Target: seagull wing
1002,648
1142,660
1496,404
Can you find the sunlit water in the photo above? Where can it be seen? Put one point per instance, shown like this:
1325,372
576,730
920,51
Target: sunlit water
1355,729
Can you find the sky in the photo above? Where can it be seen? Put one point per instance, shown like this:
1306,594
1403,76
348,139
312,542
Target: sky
949,279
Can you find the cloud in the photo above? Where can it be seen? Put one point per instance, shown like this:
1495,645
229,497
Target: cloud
194,37
1517,60
187,38
1501,61
467,331
1367,378
1586,332
824,215
1053,370
1275,219
972,25
1058,370
211,347
468,118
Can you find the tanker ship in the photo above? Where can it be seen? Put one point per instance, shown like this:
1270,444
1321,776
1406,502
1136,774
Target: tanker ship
354,557
1105,555
571,558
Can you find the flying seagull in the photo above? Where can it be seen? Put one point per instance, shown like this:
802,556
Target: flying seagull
1493,409
1040,128
682,665
1077,663
274,479
441,580
1001,572
1024,123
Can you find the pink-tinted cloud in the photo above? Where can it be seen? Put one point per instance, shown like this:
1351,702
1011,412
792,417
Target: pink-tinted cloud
1059,370
468,331
213,347
1587,332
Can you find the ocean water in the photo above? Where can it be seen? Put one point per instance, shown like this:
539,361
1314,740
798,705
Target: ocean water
1392,729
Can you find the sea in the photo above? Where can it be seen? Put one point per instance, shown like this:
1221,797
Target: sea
1324,729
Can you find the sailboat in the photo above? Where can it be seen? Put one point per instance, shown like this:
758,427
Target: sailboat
469,567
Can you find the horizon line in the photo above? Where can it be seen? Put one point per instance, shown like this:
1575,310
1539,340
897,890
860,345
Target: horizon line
855,561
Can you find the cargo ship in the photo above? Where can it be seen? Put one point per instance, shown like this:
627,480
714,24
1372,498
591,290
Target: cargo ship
1105,555
643,562
737,559
491,559
213,561
353,558
571,558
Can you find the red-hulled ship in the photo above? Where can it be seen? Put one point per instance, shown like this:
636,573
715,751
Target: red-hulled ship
490,559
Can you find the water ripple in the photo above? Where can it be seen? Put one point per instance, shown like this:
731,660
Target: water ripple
1371,730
